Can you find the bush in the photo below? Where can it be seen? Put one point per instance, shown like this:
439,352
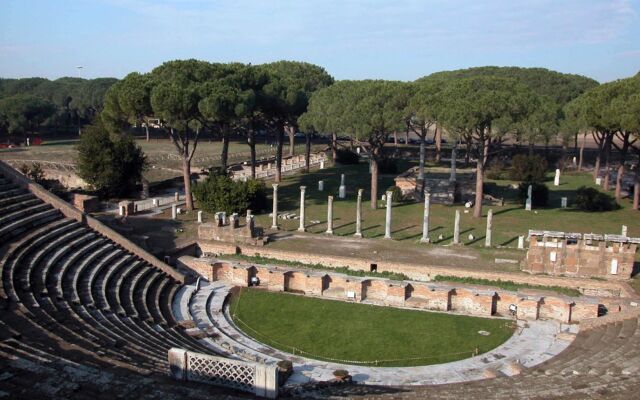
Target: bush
397,196
388,166
497,170
112,165
220,193
527,168
590,199
347,157
341,373
35,172
539,192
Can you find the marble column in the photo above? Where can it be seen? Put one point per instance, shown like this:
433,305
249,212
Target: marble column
387,225
301,228
487,239
342,190
425,218
330,216
199,217
174,211
274,220
456,228
358,233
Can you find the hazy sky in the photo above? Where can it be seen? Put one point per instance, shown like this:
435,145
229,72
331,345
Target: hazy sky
399,39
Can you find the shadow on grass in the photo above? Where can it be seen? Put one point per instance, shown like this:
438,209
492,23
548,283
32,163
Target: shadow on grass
509,241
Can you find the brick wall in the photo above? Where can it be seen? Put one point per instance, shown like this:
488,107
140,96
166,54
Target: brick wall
471,299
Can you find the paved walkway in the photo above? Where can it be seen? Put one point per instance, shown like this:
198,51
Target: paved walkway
533,343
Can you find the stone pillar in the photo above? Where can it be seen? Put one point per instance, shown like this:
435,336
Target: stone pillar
156,203
199,217
330,216
563,202
387,225
121,210
358,233
342,191
527,204
301,228
456,228
176,197
320,186
174,211
521,242
425,218
274,220
452,176
556,180
624,230
487,240
321,164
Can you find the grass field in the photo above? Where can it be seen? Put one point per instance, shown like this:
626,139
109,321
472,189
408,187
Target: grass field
356,333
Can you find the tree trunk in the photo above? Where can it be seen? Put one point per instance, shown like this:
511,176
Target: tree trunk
406,136
224,155
374,182
438,140
146,128
531,146
186,175
467,153
477,210
619,182
292,139
584,139
252,146
395,138
423,138
636,187
607,165
307,152
279,144
334,146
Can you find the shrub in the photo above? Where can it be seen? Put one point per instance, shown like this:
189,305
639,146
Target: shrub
111,164
220,193
539,192
397,196
35,172
497,170
590,199
388,166
527,168
341,373
347,157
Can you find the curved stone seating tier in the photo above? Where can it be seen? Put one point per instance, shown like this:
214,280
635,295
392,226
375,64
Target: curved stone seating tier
69,291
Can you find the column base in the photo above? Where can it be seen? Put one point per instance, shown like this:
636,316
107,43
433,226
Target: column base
358,235
425,240
302,229
328,232
387,237
275,227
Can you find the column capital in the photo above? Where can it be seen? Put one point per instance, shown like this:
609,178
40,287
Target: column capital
275,186
303,188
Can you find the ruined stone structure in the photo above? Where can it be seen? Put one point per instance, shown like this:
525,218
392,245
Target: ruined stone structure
583,255
437,182
465,299
230,231
86,203
268,169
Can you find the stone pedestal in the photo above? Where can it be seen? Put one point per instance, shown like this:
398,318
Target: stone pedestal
624,230
329,230
425,219
174,211
320,186
563,202
358,233
176,197
302,228
387,226
521,242
199,217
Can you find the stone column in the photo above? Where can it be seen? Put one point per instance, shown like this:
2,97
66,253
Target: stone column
199,217
330,216
387,225
301,228
425,218
527,204
176,197
556,179
274,220
174,211
454,155
521,242
456,228
342,190
487,240
358,233
624,230
320,186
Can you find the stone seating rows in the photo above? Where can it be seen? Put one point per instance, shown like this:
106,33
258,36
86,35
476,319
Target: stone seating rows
67,291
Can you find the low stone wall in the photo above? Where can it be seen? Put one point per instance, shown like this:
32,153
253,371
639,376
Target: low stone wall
588,287
466,299
257,379
71,212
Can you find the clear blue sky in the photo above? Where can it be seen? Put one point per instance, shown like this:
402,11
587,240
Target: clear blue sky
396,39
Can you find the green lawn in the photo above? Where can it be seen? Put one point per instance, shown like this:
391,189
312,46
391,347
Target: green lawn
356,333
510,220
